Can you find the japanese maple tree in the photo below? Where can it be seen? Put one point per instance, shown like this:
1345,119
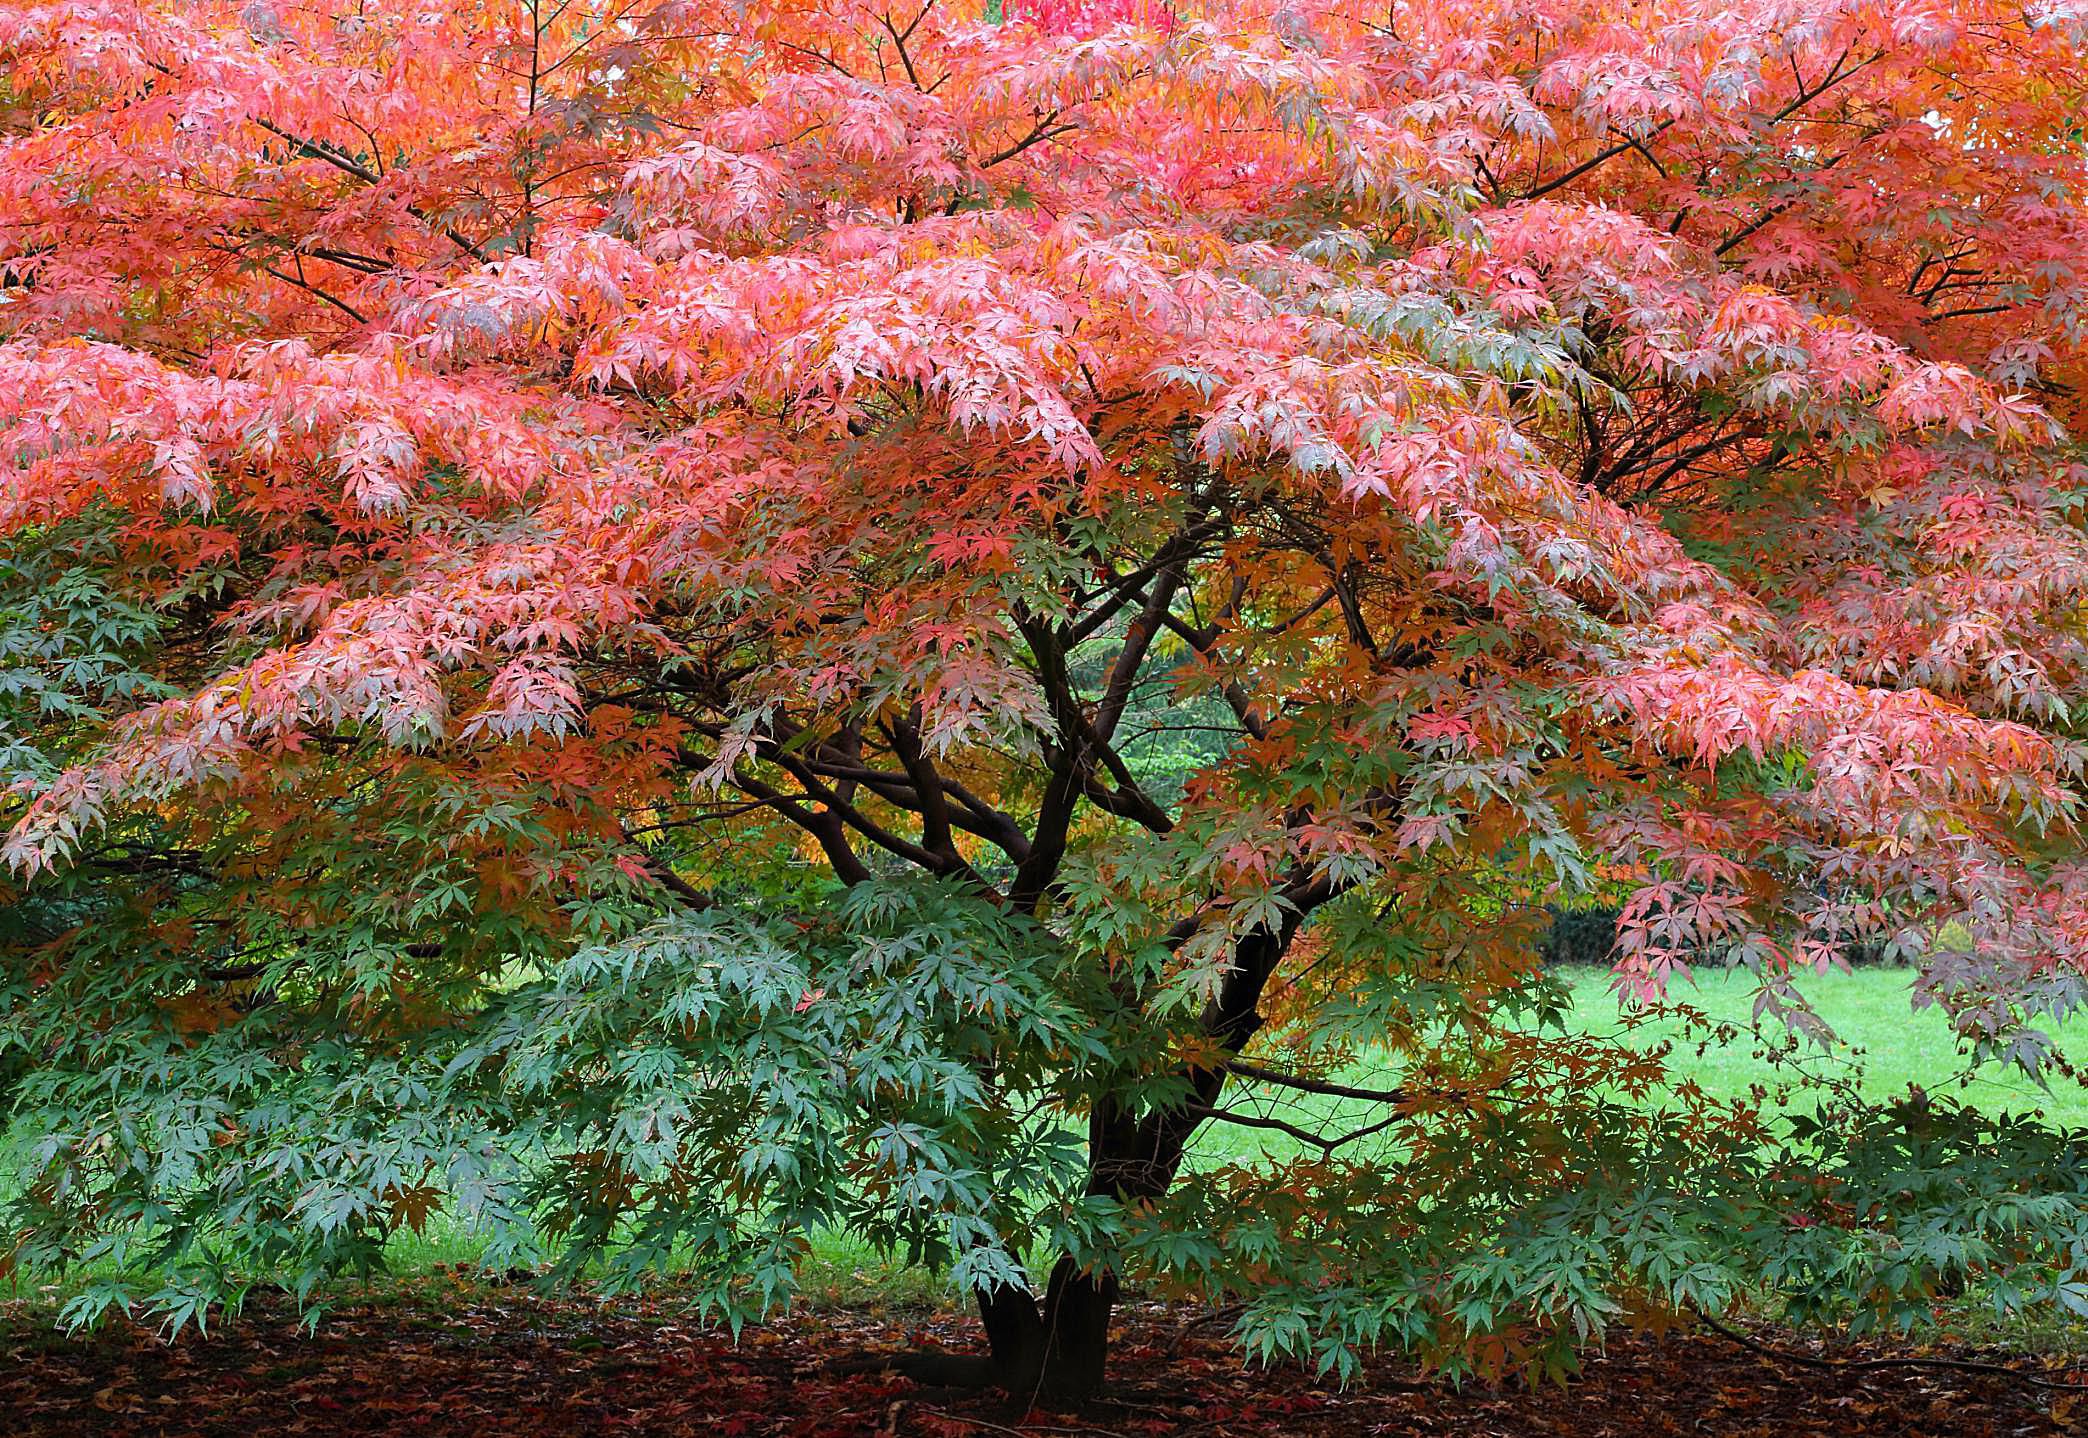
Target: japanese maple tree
668,626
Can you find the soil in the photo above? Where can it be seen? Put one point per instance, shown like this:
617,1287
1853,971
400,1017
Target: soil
480,1363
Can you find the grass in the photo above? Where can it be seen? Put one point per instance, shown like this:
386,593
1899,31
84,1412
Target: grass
1881,1044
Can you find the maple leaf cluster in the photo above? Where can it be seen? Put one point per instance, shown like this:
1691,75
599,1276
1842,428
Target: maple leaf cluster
1028,545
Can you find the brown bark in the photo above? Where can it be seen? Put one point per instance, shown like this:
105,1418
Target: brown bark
1061,1348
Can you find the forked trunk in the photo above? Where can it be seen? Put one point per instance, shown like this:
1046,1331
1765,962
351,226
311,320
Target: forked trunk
1077,1309
1060,1347
1058,1351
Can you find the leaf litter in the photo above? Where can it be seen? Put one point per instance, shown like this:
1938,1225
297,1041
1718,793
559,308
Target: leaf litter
491,1363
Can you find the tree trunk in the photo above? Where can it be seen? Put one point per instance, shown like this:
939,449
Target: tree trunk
1060,1348
1015,1334
1135,1159
1077,1309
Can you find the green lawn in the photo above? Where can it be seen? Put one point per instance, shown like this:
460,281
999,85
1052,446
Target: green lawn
1882,1043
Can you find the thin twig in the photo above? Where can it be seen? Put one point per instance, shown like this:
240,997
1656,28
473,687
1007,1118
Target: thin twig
1215,1315
1872,1365
1309,1085
948,1417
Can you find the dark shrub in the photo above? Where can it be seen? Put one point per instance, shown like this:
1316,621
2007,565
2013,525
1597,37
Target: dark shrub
1580,936
1588,936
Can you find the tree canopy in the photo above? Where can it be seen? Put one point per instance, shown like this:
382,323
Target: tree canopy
673,624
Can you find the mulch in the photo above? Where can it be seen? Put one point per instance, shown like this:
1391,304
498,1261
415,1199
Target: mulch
496,1363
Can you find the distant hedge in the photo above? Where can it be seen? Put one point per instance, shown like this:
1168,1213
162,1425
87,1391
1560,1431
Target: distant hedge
1588,936
1580,936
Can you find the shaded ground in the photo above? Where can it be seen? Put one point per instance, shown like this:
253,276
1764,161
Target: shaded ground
490,1364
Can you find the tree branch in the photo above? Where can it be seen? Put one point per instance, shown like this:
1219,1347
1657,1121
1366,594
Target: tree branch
1874,1365
905,737
1045,129
1311,1085
347,164
823,825
1595,161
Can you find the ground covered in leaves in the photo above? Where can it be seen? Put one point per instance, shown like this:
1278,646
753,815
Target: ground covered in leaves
492,1363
